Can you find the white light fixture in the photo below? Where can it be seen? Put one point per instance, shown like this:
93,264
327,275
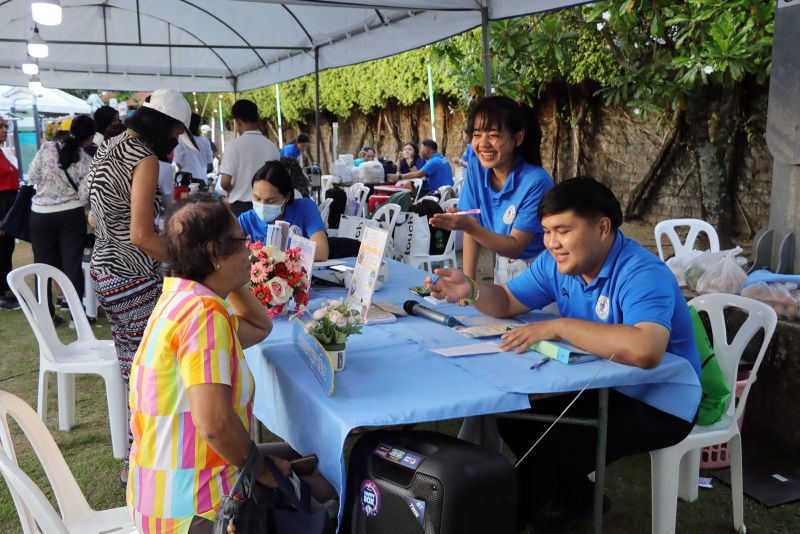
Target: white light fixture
46,12
30,68
35,84
37,47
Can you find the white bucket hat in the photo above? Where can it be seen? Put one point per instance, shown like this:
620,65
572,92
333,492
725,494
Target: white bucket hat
172,104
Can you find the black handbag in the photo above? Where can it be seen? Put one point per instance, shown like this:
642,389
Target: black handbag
17,218
281,511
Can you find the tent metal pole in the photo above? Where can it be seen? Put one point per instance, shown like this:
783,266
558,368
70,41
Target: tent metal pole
280,121
316,103
487,62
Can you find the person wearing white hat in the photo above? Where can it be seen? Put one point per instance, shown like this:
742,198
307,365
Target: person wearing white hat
127,255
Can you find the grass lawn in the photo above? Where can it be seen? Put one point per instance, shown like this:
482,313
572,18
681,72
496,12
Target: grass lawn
87,449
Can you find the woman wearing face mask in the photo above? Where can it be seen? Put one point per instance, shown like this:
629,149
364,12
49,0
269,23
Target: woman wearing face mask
505,181
127,255
274,200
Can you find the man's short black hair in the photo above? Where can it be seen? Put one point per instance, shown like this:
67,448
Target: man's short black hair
245,111
584,196
430,143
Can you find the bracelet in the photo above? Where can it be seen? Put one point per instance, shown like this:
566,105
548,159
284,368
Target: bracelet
476,292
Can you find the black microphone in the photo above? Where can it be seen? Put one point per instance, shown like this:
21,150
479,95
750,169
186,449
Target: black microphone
412,307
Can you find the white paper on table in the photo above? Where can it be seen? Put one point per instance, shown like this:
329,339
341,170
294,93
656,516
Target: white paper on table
704,482
308,248
488,347
434,301
328,263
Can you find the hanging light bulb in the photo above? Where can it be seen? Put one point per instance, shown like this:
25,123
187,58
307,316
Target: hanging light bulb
46,12
35,84
37,47
30,68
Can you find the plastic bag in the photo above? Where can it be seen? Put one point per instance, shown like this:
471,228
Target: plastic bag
785,298
699,265
724,276
678,264
370,172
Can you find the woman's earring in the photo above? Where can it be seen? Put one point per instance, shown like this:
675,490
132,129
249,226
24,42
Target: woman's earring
217,266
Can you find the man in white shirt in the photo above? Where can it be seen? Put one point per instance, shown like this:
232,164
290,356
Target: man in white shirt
244,156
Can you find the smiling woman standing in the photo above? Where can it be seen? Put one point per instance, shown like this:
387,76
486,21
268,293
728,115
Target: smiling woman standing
506,182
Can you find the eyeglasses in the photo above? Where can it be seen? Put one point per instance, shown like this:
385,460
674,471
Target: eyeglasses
4,125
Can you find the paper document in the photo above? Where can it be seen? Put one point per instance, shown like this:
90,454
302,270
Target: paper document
481,331
487,347
390,307
377,315
485,320
434,301
328,263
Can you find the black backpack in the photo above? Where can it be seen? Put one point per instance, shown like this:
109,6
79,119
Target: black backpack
439,236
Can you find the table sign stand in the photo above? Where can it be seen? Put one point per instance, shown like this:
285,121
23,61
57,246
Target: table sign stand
313,354
365,274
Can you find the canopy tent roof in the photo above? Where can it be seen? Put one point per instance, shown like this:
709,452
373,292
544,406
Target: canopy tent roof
230,45
52,101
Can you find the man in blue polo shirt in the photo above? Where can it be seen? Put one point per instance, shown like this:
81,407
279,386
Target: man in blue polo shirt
437,169
617,300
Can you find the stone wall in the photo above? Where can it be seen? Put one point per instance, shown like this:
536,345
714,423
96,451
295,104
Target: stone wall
617,147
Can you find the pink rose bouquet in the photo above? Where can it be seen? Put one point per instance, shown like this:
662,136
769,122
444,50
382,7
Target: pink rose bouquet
276,277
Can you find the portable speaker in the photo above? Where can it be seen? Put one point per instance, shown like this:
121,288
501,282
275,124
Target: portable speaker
420,482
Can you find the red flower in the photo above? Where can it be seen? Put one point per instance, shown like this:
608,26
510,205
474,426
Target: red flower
262,293
281,270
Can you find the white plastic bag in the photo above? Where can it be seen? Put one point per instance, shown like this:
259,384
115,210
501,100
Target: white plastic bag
344,170
353,227
699,265
724,276
411,236
370,172
785,298
678,265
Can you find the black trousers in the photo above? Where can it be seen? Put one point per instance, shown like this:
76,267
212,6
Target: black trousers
240,207
7,241
57,240
558,466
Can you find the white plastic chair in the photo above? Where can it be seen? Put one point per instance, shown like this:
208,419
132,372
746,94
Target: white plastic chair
325,209
326,182
675,469
684,248
446,192
360,192
89,296
446,258
417,183
87,355
458,185
32,506
429,197
387,216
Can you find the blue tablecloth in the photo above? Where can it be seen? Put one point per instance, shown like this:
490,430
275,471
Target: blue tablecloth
391,377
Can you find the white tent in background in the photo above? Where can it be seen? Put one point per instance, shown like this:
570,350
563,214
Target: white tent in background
230,45
49,101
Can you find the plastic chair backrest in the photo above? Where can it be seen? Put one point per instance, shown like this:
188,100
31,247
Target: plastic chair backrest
451,241
685,248
325,209
417,182
446,192
457,186
36,309
32,500
389,212
759,316
69,496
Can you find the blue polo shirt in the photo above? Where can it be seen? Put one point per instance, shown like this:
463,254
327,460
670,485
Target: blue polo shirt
514,206
439,171
469,154
290,151
302,214
633,286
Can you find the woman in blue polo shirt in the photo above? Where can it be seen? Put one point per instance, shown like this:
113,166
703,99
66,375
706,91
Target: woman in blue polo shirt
505,181
274,200
296,147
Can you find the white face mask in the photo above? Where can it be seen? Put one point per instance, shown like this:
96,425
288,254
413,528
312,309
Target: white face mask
267,212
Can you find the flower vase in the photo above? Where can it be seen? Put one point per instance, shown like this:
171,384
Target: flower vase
336,354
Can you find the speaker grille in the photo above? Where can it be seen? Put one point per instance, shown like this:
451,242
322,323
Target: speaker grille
396,515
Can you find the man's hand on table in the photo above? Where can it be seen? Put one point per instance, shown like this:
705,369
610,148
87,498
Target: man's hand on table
452,285
521,338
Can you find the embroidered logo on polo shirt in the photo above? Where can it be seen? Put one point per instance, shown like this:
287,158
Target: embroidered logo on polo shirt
510,214
602,307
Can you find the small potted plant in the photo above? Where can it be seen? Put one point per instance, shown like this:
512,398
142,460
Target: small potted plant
331,325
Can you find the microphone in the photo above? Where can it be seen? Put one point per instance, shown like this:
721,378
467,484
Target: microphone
412,307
